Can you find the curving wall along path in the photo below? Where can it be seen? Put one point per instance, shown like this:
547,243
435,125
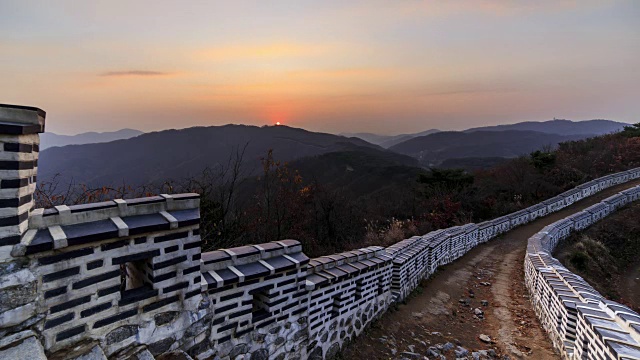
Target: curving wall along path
126,279
581,323
344,292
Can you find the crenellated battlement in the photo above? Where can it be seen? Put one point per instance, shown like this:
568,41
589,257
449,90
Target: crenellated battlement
345,292
254,290
19,149
102,269
75,214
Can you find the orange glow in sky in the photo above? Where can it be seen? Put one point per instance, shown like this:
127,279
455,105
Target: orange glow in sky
387,67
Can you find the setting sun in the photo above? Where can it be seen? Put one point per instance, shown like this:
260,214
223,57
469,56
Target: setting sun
278,123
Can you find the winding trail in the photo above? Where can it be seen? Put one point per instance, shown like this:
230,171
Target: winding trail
442,310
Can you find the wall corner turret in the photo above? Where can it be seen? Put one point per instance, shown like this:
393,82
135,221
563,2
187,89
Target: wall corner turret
20,127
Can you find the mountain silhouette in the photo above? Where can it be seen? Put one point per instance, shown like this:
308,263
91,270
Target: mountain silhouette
176,154
49,139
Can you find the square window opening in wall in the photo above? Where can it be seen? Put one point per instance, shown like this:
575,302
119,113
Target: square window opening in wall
260,303
136,281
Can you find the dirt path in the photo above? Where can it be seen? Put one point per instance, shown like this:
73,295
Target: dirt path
442,309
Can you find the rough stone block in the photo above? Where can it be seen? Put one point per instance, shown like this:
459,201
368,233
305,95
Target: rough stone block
13,339
16,289
96,353
175,355
143,355
121,333
165,317
18,315
162,346
29,349
5,252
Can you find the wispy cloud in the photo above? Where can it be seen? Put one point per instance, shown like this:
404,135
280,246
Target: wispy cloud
135,73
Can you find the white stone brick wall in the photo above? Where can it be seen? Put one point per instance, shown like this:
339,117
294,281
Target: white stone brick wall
579,321
346,292
259,300
410,265
76,271
101,311
18,169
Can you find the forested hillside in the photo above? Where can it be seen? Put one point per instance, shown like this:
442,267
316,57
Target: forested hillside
432,150
341,200
178,154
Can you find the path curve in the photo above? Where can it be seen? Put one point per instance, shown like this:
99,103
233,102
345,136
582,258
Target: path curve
442,310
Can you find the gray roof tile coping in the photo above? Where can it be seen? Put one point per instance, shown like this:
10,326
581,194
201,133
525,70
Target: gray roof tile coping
241,255
69,215
331,261
94,230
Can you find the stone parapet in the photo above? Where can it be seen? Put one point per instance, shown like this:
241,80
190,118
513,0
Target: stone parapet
580,322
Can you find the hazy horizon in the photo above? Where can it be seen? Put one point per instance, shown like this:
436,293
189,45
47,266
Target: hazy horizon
336,133
376,66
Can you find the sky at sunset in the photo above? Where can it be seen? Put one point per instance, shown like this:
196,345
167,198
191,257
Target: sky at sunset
336,66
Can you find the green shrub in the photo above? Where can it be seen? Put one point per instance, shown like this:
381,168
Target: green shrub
580,260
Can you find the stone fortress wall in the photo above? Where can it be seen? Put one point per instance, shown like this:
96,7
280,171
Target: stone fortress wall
126,279
581,323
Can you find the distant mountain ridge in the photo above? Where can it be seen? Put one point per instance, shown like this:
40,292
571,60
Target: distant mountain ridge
176,154
432,150
387,141
483,146
49,139
560,127
556,126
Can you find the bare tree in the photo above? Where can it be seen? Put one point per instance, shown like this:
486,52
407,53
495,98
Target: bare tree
53,192
221,212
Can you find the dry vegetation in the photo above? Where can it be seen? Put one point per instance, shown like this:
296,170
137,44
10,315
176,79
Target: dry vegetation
329,216
605,253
